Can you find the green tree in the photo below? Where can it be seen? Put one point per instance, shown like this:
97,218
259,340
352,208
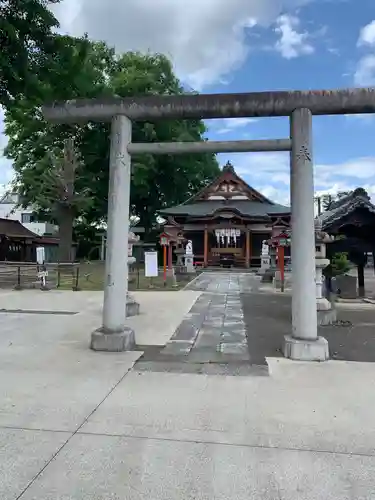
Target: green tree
58,196
329,199
26,37
87,69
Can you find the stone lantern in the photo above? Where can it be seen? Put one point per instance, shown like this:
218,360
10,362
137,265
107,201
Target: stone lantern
326,313
132,238
132,307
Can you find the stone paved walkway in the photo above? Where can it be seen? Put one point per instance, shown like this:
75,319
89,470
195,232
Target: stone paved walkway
212,336
225,282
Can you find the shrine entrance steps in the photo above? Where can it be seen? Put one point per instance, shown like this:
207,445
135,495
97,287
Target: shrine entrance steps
230,269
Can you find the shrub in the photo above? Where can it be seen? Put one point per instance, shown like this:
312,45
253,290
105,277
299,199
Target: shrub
340,264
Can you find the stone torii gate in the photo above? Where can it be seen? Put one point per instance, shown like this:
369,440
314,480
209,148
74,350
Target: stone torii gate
303,343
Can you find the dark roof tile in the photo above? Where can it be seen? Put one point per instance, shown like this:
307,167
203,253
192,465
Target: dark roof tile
14,229
244,207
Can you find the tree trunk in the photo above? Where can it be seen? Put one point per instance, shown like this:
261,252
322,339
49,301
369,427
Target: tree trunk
66,220
361,280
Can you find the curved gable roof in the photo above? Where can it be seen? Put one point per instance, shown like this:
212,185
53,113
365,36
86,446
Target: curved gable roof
346,205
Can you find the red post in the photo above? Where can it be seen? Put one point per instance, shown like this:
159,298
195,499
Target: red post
165,264
281,264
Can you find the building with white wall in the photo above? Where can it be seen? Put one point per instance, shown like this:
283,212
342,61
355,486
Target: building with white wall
10,210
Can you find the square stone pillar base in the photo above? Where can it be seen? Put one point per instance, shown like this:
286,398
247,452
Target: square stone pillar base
306,350
112,342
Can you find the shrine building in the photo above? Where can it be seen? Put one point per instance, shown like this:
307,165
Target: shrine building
227,221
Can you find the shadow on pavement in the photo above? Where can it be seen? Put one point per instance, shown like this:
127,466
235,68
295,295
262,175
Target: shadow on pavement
268,319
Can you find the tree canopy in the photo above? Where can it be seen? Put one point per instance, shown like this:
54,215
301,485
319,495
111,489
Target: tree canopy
92,69
26,38
329,199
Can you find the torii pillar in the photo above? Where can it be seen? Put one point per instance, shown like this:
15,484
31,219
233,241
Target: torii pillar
304,343
114,335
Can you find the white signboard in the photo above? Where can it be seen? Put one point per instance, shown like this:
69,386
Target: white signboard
40,255
151,264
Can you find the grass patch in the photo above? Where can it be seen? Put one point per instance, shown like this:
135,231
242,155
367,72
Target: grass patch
91,277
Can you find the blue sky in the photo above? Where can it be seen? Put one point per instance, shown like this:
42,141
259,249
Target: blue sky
254,45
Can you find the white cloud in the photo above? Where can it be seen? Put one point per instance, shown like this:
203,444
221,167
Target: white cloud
364,75
367,35
224,126
276,195
358,168
292,43
266,172
365,72
269,173
206,40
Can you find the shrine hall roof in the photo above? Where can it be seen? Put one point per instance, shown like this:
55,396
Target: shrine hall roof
228,192
346,205
14,229
244,207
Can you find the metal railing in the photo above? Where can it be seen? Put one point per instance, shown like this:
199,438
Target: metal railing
29,275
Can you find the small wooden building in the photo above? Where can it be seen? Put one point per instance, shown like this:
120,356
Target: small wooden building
227,221
18,244
353,217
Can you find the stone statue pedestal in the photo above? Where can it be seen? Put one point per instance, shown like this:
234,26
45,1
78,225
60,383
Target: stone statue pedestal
265,263
268,273
180,252
326,313
132,306
189,263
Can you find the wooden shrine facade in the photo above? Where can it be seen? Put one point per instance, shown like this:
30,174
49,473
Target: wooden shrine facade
352,220
227,222
18,244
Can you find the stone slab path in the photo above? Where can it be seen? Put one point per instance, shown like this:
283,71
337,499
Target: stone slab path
225,282
212,336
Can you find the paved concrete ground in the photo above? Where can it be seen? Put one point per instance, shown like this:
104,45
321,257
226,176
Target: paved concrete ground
76,424
50,382
160,435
